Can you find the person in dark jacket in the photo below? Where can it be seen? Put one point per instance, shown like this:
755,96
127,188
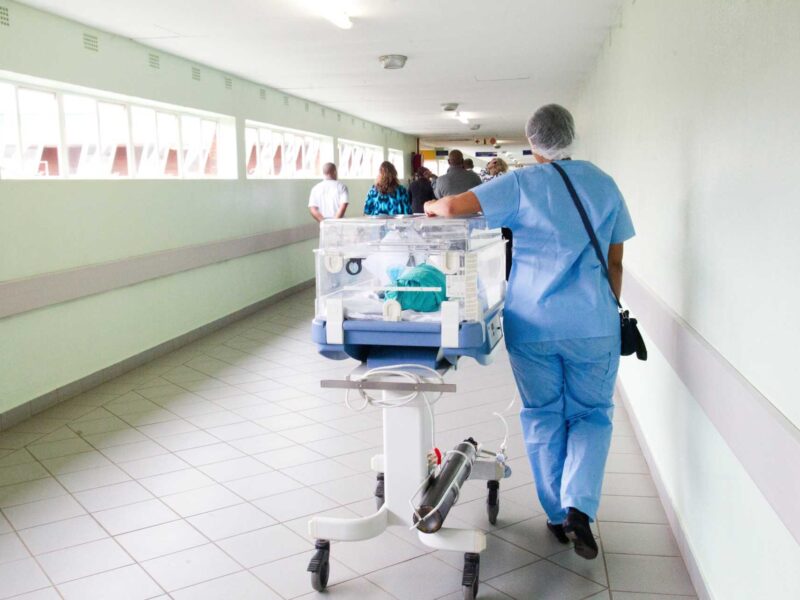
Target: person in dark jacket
420,190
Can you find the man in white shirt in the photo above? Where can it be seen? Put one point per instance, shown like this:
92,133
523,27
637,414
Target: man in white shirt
328,199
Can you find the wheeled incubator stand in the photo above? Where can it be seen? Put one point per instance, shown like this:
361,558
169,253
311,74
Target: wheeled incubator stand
408,297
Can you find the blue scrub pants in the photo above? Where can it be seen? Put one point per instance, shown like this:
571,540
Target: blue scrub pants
567,389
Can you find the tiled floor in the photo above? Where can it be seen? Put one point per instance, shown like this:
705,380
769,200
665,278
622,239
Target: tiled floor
193,478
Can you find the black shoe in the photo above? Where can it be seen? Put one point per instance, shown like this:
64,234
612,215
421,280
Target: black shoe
558,531
576,527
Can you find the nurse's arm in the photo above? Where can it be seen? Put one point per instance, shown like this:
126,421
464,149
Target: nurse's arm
615,268
453,206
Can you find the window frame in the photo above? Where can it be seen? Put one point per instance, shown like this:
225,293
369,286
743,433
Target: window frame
297,140
364,148
400,163
227,168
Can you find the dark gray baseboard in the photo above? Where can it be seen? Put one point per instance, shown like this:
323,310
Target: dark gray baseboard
34,406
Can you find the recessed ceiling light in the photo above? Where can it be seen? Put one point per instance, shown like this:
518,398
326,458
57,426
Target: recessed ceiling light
393,61
450,106
475,127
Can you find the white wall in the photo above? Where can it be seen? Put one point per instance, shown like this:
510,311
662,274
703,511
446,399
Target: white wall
694,108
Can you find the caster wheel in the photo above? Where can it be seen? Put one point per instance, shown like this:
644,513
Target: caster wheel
493,501
379,494
470,579
320,566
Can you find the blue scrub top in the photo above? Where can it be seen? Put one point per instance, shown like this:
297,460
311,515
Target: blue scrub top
557,288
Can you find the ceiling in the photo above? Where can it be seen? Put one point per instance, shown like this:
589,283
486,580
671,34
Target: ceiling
498,60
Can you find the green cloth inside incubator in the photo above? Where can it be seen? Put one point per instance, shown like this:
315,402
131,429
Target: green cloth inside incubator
425,276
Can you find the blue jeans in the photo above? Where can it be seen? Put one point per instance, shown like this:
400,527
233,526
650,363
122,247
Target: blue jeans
567,390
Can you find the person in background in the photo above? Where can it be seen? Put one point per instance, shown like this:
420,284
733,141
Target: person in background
457,179
387,196
495,168
420,190
328,199
561,323
468,164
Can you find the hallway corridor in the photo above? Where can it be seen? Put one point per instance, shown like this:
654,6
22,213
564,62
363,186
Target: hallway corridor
193,478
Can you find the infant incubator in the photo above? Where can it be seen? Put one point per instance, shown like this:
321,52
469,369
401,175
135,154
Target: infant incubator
432,286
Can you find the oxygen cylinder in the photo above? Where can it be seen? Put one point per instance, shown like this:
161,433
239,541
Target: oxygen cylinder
442,492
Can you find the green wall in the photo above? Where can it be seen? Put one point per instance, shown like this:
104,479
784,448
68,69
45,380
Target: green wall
48,226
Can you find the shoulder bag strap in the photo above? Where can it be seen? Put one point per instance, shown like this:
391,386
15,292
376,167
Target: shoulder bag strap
587,224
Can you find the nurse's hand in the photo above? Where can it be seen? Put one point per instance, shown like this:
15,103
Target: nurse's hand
431,207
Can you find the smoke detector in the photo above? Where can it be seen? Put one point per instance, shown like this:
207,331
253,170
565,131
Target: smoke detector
393,61
450,106
475,127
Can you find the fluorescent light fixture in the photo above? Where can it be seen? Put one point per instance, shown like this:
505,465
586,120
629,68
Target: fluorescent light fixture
462,118
332,10
338,18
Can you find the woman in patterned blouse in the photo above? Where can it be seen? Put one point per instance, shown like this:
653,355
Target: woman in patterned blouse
387,196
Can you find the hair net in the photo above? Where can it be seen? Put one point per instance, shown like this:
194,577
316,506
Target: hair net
551,131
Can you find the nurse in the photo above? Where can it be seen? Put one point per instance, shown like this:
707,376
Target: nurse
561,321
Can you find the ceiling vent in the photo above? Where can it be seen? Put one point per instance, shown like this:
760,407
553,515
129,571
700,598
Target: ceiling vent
262,93
228,83
90,42
4,20
154,60
196,73
450,106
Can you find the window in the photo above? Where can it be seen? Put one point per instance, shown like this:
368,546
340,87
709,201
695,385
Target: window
359,161
61,133
278,152
397,158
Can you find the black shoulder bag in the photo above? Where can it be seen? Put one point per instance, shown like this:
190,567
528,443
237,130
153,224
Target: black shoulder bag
629,331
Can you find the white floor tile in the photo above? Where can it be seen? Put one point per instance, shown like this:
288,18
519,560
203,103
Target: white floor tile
283,575
237,431
499,557
177,481
206,455
349,489
22,472
546,581
201,500
59,449
189,567
353,589
84,560
93,478
12,548
261,486
418,579
187,440
631,509
154,465
293,504
235,468
112,496
287,457
32,514
532,535
135,516
651,574
593,570
21,576
264,545
262,443
120,437
49,593
230,521
378,553
318,472
638,538
629,484
129,452
239,586
126,583
161,540
62,534
30,491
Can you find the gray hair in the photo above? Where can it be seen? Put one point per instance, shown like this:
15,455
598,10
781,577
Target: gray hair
551,132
